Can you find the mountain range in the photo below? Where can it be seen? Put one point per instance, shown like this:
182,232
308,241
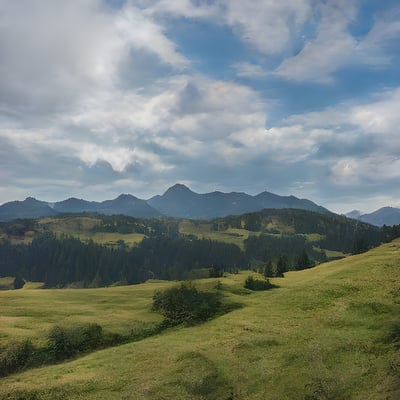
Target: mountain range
177,201
383,216
181,202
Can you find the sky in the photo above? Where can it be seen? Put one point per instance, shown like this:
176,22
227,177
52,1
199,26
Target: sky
294,97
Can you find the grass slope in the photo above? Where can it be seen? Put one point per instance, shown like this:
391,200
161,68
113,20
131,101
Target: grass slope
324,334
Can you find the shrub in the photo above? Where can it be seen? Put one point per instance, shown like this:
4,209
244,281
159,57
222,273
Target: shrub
65,342
185,304
257,284
14,356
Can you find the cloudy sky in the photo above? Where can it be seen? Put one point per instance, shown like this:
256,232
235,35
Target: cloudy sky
102,97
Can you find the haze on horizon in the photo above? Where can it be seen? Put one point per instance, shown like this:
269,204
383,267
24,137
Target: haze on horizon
102,97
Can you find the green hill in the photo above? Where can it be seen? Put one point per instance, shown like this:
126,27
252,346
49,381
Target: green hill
93,250
331,332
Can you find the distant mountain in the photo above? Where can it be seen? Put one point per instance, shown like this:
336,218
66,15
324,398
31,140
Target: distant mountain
383,216
127,204
124,204
180,201
270,200
29,208
355,214
73,205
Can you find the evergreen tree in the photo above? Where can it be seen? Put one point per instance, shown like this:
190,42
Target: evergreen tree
282,266
268,270
18,282
303,261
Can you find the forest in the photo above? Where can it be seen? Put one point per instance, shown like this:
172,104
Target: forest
61,260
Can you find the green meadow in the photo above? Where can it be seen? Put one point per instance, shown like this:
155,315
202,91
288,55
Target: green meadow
204,230
82,228
330,332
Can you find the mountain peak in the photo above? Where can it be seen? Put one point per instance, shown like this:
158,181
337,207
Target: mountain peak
355,214
178,188
30,199
125,196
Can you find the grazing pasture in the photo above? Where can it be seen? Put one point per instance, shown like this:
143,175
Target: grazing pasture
330,332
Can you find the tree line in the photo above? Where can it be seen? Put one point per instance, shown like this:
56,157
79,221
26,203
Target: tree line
66,260
165,254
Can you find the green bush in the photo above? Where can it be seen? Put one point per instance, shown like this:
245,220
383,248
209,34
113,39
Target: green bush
65,342
257,284
185,304
14,356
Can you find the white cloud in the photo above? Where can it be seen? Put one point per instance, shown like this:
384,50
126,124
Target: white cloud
332,47
178,8
318,59
265,25
100,99
381,116
374,48
139,31
376,168
248,70
335,47
121,157
55,54
346,172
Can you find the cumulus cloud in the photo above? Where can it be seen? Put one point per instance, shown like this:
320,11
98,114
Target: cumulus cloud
266,26
375,48
332,46
55,54
97,100
183,117
335,47
363,140
380,116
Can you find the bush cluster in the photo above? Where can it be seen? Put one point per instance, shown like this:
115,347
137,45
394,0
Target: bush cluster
186,304
62,343
258,284
15,356
65,342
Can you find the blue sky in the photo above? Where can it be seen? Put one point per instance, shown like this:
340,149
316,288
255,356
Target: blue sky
102,97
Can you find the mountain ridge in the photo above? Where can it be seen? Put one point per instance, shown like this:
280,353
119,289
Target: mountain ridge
383,216
177,201
180,201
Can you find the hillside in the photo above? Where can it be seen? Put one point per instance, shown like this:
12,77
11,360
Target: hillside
325,333
97,250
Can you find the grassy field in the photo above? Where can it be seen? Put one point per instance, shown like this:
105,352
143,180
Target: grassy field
81,227
325,333
205,231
